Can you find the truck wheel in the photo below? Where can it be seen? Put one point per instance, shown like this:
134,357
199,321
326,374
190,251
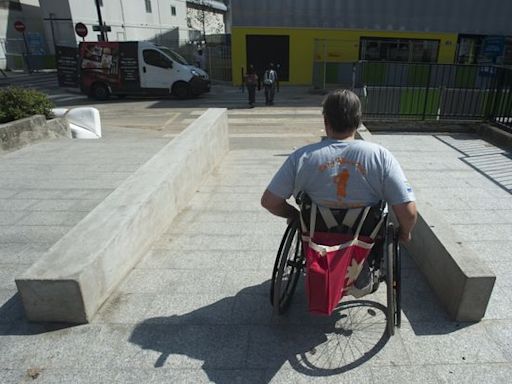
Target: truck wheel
181,90
100,91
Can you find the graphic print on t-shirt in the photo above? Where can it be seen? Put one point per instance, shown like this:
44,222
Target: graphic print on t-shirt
341,181
341,176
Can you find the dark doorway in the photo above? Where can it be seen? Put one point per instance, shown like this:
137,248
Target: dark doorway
264,49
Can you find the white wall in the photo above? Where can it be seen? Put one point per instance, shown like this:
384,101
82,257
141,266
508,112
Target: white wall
129,19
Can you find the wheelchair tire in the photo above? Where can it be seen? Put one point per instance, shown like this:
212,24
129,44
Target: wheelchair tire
398,281
390,248
288,265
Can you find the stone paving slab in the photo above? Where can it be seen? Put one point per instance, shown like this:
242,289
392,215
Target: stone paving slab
196,308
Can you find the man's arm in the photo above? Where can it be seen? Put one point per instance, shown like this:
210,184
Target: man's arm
278,206
407,216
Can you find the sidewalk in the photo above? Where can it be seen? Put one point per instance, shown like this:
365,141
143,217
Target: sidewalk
196,309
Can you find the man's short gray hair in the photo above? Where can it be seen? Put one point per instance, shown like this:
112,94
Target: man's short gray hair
342,109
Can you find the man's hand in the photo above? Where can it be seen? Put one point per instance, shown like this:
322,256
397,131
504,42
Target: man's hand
295,217
404,237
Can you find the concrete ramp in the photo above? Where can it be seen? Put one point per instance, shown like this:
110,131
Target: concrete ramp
73,279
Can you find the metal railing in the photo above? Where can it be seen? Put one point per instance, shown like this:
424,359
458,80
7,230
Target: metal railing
432,91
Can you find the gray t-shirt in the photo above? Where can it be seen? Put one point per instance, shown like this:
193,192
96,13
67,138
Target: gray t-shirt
344,174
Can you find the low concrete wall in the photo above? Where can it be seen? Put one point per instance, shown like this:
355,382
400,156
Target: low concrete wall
412,126
71,281
19,133
495,135
461,280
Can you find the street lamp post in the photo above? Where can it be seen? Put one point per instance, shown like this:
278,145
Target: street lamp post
100,20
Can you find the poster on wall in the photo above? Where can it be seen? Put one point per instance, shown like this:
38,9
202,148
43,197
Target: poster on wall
67,66
111,62
491,53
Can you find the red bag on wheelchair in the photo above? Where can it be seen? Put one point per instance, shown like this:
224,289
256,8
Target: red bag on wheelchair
333,260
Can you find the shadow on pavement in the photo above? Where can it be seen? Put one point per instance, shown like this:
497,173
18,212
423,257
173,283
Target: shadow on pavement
493,162
249,339
420,305
223,97
12,316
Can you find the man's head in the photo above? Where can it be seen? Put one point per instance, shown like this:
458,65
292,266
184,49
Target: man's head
342,111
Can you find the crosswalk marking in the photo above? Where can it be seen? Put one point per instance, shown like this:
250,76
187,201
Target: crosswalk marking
77,97
57,95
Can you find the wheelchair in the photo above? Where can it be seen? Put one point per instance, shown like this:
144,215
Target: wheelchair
384,260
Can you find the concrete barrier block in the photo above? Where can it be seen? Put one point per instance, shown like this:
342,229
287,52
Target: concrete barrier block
461,281
73,279
85,122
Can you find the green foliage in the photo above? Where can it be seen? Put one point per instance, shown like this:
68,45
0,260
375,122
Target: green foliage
17,103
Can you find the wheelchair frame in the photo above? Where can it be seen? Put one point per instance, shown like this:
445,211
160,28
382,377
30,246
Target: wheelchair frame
290,265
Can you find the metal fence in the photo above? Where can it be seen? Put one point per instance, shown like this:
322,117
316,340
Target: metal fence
217,60
429,91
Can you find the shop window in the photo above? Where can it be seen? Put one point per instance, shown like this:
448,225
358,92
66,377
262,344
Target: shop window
400,50
468,48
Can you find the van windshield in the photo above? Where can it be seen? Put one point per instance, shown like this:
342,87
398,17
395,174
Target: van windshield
173,55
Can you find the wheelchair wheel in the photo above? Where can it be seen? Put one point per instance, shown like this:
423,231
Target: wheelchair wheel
398,281
390,248
287,268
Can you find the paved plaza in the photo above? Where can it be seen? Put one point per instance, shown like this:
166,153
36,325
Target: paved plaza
196,308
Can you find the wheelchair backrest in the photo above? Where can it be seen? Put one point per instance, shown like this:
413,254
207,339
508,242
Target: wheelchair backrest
334,220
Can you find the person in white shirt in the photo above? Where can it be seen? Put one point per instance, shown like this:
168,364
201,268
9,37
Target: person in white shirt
270,82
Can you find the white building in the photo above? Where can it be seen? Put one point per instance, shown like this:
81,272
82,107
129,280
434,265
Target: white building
167,22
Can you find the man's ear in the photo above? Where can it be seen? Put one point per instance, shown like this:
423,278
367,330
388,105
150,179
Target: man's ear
326,124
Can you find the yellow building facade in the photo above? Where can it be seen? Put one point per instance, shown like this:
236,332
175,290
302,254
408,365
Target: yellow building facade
309,45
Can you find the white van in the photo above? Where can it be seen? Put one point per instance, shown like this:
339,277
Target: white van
135,68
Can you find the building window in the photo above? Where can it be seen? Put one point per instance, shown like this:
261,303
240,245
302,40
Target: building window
148,6
402,50
173,10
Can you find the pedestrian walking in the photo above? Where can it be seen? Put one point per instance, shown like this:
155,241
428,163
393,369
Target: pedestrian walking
270,82
251,82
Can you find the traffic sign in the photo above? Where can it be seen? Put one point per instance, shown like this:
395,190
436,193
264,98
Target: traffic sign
97,28
81,29
19,26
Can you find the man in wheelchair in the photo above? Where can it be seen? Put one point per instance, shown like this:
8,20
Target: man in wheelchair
342,173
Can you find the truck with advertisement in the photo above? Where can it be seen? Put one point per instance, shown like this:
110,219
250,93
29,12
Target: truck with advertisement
137,68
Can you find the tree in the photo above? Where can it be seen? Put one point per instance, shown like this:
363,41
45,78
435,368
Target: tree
202,17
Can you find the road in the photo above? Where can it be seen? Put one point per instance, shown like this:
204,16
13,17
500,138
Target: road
167,116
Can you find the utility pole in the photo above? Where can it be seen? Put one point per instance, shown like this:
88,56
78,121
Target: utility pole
100,20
